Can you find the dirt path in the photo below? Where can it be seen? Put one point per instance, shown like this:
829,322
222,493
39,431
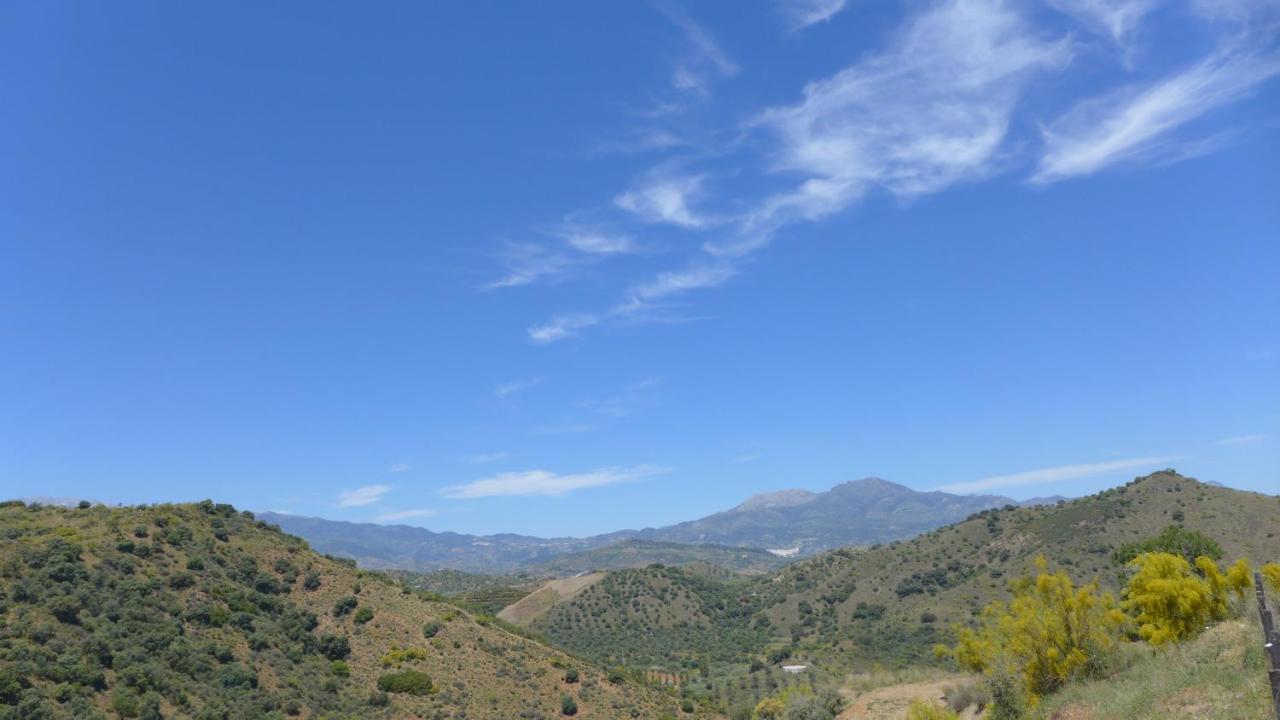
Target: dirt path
891,702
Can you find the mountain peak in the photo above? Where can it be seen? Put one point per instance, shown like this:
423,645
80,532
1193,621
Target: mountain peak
871,484
780,498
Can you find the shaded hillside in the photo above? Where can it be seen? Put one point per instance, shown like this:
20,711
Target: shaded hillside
889,600
457,582
412,548
791,522
487,594
640,553
197,611
860,512
852,609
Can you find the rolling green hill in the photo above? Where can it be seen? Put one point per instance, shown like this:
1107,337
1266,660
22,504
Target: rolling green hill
855,609
845,601
199,611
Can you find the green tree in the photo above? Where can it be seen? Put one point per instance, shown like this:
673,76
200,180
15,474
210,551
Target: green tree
1175,540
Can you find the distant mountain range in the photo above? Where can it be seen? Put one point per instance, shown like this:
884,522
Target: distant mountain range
786,523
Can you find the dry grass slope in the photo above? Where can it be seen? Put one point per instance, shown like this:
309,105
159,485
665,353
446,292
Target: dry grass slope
1218,676
478,670
536,604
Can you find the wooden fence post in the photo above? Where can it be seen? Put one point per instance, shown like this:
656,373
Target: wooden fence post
1271,641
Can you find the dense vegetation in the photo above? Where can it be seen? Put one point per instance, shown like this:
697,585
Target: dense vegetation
723,640
630,554
200,611
1053,633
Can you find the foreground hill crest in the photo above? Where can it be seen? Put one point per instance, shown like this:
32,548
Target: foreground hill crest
199,611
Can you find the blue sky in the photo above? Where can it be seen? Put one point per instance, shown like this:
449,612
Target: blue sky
562,268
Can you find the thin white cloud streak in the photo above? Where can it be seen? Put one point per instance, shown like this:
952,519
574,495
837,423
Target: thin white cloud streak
361,496
506,390
576,245
624,403
486,458
803,13
399,516
529,263
666,200
1116,18
1243,439
595,242
1135,123
561,327
398,468
546,483
642,298
678,282
1236,11
704,58
748,458
1061,473
568,429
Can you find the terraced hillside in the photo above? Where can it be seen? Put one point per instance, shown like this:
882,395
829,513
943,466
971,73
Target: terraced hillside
198,611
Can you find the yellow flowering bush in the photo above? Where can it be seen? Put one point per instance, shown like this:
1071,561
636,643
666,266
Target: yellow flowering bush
1049,632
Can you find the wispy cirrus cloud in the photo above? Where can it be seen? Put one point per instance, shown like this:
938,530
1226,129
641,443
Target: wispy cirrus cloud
803,13
572,247
1139,123
641,301
400,467
703,59
1249,439
529,263
1060,473
624,402
594,242
546,483
929,111
515,387
934,107
563,326
361,496
563,429
666,199
1115,18
486,458
402,515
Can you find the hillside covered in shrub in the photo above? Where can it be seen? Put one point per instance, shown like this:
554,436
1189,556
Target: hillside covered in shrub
200,611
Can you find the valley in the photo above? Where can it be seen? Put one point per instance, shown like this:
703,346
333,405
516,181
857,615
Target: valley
717,631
